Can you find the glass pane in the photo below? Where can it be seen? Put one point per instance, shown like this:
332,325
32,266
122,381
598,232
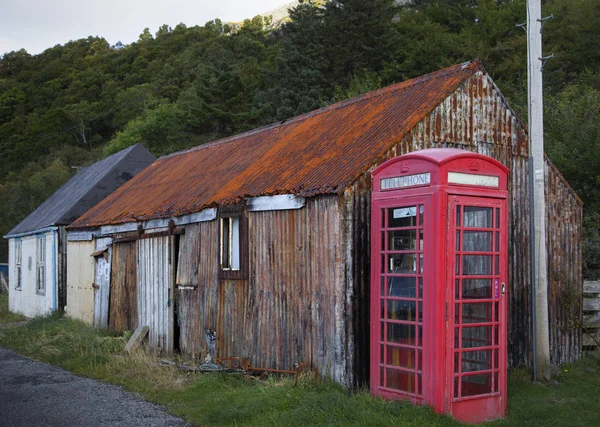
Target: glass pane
401,357
421,215
402,217
381,377
420,287
476,265
382,314
456,387
476,384
402,263
383,241
456,364
382,354
420,312
480,312
479,336
496,382
400,380
402,240
457,241
497,217
475,216
383,286
457,289
404,287
419,384
421,240
421,264
477,241
497,241
495,335
419,359
473,361
458,216
235,243
402,310
496,265
401,334
477,288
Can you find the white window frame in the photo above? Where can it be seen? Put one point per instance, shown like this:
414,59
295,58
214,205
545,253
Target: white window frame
18,262
40,272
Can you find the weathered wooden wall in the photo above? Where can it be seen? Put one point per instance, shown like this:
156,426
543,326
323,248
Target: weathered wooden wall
123,283
102,282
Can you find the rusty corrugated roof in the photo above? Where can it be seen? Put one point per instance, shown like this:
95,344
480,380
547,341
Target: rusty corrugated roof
320,152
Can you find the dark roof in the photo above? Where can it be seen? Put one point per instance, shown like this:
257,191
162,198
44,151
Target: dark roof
88,187
321,152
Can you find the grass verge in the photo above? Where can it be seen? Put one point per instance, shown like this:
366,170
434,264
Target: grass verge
220,399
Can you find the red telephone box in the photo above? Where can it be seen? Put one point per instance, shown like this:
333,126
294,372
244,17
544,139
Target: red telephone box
438,282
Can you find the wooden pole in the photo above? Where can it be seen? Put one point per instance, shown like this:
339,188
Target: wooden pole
536,151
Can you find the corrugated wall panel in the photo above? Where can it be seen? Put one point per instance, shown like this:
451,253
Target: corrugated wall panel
102,282
197,286
154,298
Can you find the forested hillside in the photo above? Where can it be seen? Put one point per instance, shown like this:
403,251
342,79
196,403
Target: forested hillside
179,87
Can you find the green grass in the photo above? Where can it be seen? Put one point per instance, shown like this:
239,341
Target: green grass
221,399
6,317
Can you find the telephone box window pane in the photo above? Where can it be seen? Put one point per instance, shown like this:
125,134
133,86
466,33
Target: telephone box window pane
401,334
457,289
496,311
421,264
496,359
419,359
421,215
497,241
400,380
420,287
496,382
457,241
420,384
401,357
476,384
473,361
456,364
402,310
457,267
383,286
497,217
477,217
402,217
402,240
382,241
382,310
402,263
478,336
496,265
381,377
420,312
480,312
476,288
475,265
382,354
458,216
456,388
421,240
404,287
477,241
456,345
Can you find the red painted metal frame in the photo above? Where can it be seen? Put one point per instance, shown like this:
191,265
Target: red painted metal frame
439,200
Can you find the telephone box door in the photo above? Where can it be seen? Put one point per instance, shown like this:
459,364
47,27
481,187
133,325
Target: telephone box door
397,302
477,307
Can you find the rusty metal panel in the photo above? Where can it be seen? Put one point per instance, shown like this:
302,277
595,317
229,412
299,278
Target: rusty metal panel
232,321
154,291
321,152
297,292
565,281
197,286
123,300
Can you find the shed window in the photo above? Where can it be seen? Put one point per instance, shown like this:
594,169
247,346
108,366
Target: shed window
40,266
230,243
233,243
18,258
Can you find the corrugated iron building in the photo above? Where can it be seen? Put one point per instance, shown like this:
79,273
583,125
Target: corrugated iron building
264,237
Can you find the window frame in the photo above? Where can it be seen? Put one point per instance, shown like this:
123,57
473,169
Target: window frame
227,221
18,265
40,255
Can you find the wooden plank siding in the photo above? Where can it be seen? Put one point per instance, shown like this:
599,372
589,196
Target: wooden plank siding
123,283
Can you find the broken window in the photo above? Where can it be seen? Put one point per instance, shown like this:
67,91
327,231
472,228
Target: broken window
41,270
233,243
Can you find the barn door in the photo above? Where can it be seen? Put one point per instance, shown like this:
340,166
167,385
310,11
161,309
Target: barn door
103,255
232,311
477,345
155,290
123,296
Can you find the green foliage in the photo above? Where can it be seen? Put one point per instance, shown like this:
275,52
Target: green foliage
183,86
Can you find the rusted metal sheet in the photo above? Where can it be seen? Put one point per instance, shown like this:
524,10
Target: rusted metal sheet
123,300
565,282
102,282
196,286
321,152
232,321
155,291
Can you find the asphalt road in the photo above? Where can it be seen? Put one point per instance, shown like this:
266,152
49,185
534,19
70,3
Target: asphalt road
38,394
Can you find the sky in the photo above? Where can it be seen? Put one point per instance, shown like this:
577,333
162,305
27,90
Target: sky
36,25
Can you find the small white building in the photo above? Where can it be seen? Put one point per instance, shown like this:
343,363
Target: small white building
37,246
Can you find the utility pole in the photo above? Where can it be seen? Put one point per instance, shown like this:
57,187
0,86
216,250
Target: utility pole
535,65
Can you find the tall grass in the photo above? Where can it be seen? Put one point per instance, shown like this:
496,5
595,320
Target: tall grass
221,399
6,317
